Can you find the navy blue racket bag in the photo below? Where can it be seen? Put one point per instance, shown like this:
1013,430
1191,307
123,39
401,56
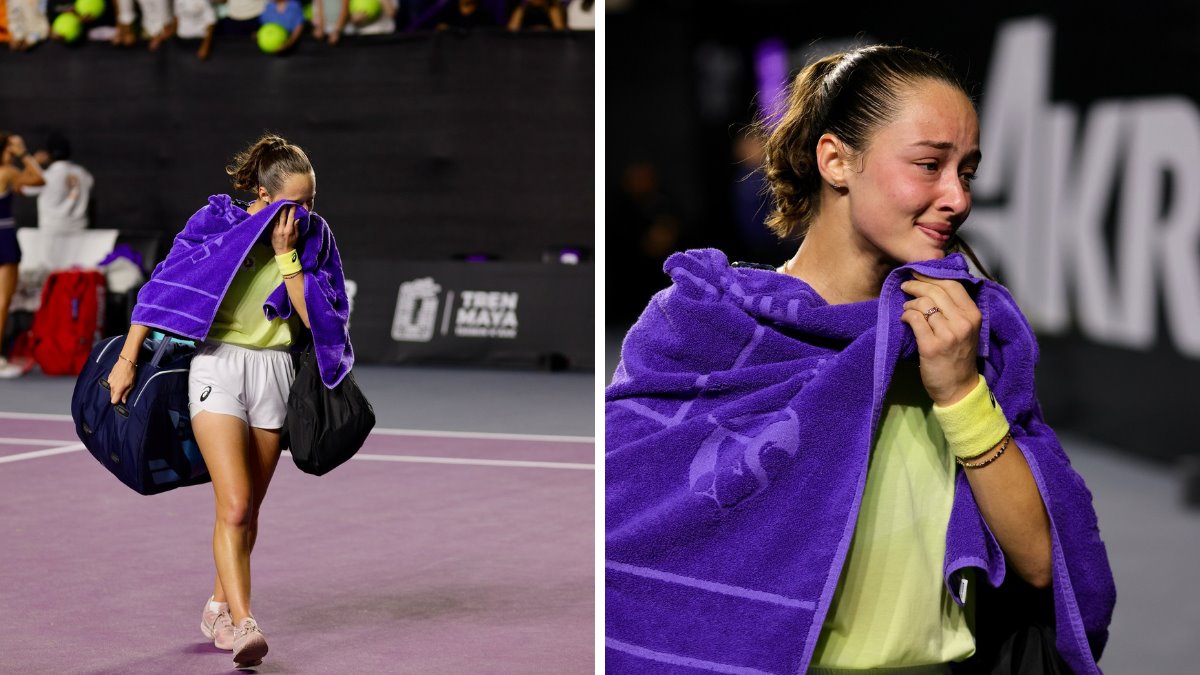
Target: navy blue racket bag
146,442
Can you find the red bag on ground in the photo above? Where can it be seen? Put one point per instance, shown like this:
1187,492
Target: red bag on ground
68,321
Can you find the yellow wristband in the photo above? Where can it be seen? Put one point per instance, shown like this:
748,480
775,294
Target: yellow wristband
289,262
973,425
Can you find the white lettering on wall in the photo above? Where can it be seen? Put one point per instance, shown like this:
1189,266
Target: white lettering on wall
1045,192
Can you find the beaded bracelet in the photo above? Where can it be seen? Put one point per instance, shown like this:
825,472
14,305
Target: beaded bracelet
978,465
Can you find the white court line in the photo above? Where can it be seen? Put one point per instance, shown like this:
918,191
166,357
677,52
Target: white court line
42,453
483,435
34,416
31,441
366,457
475,462
382,432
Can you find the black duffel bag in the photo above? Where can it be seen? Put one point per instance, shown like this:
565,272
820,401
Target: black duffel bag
325,427
146,442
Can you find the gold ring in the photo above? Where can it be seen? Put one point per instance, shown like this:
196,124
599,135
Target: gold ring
931,311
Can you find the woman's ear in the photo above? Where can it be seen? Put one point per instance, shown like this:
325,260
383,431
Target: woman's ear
833,160
262,194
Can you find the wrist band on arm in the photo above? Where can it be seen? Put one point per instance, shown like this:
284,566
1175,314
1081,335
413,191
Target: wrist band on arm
968,463
288,262
974,425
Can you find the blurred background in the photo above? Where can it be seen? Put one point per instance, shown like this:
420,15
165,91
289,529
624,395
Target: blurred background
1087,207
453,144
463,152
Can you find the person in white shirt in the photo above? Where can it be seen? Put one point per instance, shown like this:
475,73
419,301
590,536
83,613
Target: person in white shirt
62,202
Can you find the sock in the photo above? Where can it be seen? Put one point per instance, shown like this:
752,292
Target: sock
217,607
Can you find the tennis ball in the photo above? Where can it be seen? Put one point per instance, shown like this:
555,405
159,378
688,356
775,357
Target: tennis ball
89,9
67,26
272,37
369,10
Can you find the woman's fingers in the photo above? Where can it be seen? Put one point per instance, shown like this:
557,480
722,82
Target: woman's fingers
920,327
927,289
952,288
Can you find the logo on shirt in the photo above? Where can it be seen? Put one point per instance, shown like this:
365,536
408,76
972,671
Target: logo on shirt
204,394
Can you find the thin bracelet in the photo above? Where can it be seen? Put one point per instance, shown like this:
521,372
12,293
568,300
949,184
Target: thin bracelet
292,275
119,356
979,465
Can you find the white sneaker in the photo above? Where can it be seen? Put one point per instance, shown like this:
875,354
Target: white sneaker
9,370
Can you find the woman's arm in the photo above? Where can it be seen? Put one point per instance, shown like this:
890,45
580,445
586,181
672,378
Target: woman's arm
946,323
283,240
1010,503
31,174
124,373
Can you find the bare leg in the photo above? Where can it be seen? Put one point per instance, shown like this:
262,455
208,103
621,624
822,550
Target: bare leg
8,287
224,442
264,457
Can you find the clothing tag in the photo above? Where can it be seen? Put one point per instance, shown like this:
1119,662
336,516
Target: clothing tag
962,590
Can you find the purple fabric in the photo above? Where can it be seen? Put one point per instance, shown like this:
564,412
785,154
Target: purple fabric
738,430
185,289
122,251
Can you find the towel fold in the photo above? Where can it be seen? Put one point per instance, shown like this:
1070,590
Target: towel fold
186,288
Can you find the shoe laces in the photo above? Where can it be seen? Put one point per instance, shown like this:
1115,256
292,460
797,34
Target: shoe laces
223,620
245,628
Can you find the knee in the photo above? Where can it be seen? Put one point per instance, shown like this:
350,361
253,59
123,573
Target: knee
238,512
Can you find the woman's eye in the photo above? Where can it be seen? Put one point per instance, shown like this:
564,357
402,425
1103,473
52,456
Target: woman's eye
928,166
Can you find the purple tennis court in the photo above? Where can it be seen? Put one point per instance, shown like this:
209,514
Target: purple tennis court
430,552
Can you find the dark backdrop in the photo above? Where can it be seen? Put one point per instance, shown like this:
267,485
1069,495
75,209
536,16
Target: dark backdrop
683,83
425,146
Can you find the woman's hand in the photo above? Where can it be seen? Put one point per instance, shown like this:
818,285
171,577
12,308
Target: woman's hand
285,234
120,381
16,145
947,339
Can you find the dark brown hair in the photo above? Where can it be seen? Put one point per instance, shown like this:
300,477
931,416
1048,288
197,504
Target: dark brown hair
848,94
268,162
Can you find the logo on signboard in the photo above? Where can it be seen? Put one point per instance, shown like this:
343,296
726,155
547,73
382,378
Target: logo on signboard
416,311
490,314
466,314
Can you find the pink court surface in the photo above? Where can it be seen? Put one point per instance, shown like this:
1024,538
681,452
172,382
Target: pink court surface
430,552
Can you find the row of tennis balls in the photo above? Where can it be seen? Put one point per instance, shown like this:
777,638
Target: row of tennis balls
271,36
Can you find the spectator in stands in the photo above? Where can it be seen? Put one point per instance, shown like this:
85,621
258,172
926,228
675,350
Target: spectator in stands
195,20
581,14
12,180
463,14
155,21
329,19
27,24
538,15
241,16
384,23
62,202
286,13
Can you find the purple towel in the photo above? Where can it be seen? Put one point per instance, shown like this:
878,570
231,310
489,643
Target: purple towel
738,430
185,289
